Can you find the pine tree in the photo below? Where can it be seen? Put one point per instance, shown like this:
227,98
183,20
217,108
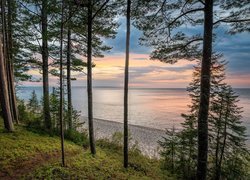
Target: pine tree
188,136
19,38
54,107
4,95
40,22
69,54
163,22
126,79
33,103
61,118
229,136
100,22
10,7
169,149
226,134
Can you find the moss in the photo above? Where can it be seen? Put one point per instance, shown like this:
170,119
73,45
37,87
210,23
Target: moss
24,146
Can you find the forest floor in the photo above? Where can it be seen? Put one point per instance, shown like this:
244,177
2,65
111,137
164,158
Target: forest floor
28,155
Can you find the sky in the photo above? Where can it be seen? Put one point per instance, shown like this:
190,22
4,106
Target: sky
146,73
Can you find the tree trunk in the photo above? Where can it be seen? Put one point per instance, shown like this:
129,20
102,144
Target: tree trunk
218,138
61,86
45,68
89,80
205,92
69,73
6,53
218,169
126,79
11,61
4,96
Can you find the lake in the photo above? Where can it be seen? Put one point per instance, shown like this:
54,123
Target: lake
153,108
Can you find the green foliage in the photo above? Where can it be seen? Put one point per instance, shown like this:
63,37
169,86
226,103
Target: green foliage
228,155
24,115
117,138
80,138
228,137
116,143
167,26
30,116
54,107
22,145
24,148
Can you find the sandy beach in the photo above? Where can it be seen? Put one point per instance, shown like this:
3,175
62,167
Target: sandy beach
145,137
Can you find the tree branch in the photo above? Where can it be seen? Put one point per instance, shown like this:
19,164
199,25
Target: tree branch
29,9
190,42
185,13
163,3
201,2
231,21
100,9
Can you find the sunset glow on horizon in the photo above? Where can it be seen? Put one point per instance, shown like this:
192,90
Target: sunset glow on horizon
144,73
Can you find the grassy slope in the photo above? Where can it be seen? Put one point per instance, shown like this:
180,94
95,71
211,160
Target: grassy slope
30,155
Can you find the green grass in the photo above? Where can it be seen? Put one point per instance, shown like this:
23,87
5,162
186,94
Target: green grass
25,151
22,145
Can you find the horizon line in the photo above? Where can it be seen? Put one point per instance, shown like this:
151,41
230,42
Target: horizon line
120,87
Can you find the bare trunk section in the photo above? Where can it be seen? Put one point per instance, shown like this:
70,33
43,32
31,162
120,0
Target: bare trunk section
69,73
61,87
11,61
126,79
89,80
6,53
4,96
45,68
218,169
218,138
205,92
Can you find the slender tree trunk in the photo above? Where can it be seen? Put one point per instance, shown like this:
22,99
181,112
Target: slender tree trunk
218,139
4,96
205,92
45,68
69,73
218,169
61,86
89,80
11,67
126,79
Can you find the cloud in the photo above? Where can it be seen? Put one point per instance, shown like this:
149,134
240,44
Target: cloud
109,71
142,73
119,43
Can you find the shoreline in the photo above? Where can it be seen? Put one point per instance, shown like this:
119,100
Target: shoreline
138,126
146,138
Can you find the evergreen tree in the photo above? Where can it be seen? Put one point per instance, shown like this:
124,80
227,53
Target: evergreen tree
54,107
38,18
7,32
4,95
10,62
229,136
100,17
163,23
61,119
169,153
226,134
126,78
33,103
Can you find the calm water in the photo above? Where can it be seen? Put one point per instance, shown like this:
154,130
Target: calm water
155,108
